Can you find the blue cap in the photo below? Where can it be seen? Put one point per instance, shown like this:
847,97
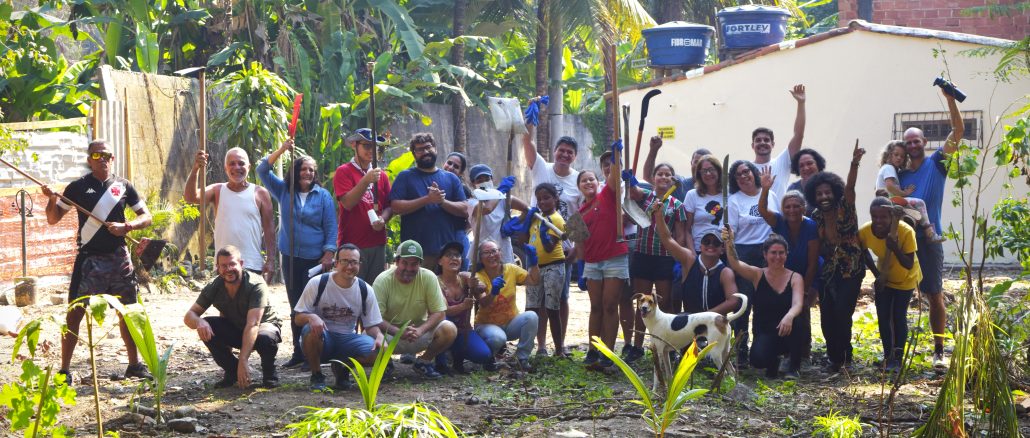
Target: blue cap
364,134
479,170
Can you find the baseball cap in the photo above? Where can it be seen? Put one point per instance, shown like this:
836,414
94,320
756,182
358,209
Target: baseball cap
717,236
479,170
364,134
453,245
409,248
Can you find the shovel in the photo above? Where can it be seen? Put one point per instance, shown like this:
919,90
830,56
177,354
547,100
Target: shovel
506,113
148,250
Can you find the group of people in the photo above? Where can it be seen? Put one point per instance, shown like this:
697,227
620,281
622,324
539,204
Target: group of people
784,245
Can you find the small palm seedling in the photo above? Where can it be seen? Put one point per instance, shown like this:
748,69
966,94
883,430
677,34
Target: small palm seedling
374,420
659,415
138,322
834,425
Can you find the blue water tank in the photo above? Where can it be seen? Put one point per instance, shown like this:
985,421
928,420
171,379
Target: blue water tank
678,44
751,26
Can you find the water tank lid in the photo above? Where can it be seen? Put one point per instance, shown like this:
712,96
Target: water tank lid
754,9
680,25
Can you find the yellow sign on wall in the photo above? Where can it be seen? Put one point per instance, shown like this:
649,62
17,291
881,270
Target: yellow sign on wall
667,132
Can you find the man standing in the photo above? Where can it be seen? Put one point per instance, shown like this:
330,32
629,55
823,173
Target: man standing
430,201
408,293
246,220
560,173
928,177
359,188
102,265
685,184
247,321
762,143
329,310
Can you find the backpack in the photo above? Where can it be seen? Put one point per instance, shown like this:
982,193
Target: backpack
323,281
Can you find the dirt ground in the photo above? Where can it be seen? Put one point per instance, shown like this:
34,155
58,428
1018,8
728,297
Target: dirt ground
561,399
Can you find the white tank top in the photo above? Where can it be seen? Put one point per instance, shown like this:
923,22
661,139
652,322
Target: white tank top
238,223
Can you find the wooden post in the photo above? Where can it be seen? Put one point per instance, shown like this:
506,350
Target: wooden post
202,177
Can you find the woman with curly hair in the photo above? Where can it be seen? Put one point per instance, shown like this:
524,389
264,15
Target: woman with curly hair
894,159
843,270
750,231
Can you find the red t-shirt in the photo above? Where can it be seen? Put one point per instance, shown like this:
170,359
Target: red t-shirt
354,226
599,216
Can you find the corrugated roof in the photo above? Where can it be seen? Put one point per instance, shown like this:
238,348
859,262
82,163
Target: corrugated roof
854,25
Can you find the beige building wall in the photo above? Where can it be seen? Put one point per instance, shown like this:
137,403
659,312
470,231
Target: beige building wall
855,82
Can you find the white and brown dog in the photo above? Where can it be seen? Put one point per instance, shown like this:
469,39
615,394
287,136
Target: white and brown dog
682,329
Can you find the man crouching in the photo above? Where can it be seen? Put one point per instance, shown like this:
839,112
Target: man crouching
329,309
247,321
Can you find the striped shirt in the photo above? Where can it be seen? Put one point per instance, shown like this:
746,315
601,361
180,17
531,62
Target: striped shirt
647,238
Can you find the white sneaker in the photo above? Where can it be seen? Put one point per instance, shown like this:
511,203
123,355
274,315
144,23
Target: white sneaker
940,364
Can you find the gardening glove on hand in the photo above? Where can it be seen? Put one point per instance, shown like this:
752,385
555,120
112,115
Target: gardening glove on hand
496,286
506,184
512,227
677,272
582,283
532,113
531,258
545,236
617,147
631,180
529,216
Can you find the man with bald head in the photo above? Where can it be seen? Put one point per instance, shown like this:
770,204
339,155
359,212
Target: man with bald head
243,211
927,175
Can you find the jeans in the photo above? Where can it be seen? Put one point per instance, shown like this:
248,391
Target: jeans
767,348
296,277
891,310
752,255
470,346
227,336
837,305
522,327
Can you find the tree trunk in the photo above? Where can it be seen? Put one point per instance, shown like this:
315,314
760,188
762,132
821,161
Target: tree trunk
458,109
543,144
555,70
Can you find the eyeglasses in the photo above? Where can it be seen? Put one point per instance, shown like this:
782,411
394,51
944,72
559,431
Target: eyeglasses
491,251
426,148
743,174
709,171
101,156
348,262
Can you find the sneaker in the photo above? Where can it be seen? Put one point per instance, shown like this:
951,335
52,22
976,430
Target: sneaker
592,357
525,366
228,380
138,370
635,353
341,376
939,363
541,352
294,362
271,381
490,365
893,365
627,349
69,378
426,370
459,367
832,368
602,365
407,358
792,374
317,381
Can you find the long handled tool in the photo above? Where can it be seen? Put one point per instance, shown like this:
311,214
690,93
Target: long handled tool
371,65
202,143
148,250
293,181
616,158
507,116
640,131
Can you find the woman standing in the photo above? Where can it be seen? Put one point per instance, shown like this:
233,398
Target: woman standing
703,204
750,231
312,222
778,297
806,162
461,292
842,271
607,266
456,164
802,235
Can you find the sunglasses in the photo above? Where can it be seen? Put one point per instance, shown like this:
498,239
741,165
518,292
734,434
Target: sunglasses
711,242
101,156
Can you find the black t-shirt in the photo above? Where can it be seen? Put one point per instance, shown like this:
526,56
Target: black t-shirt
87,192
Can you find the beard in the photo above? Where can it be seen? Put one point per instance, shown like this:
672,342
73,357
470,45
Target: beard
427,161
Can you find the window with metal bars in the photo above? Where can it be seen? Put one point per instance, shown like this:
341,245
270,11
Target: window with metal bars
937,125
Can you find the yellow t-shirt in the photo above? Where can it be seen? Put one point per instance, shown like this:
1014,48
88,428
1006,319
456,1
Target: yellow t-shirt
534,239
897,276
503,308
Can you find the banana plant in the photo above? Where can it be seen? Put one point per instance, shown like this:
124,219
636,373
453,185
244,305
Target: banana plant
138,322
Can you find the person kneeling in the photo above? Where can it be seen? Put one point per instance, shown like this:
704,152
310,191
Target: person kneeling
247,321
329,310
499,320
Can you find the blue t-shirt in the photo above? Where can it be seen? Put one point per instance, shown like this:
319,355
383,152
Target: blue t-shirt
797,253
431,226
929,181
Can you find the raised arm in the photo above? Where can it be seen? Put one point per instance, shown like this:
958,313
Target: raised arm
529,146
748,272
768,179
958,128
685,255
652,155
856,158
193,193
799,121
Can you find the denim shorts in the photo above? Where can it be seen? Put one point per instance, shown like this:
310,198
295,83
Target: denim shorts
615,267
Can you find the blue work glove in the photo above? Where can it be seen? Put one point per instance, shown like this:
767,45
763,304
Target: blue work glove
529,215
506,184
512,227
496,286
617,147
545,237
582,283
531,258
532,113
677,272
631,180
